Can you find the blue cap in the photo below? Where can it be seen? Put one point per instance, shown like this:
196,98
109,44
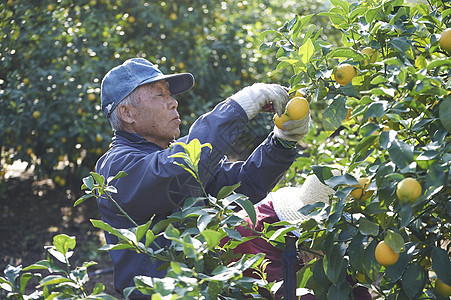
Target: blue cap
120,81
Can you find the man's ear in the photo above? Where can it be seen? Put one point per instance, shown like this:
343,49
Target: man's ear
125,114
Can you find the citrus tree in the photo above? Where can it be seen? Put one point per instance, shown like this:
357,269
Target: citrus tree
381,106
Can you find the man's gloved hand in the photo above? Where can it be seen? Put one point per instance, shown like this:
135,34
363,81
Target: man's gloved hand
254,97
293,130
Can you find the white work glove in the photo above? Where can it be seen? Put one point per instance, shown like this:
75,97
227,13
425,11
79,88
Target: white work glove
293,130
254,97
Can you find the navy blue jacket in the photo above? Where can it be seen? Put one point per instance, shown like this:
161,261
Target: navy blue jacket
157,186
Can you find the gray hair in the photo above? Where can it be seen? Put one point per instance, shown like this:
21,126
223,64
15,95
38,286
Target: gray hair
115,120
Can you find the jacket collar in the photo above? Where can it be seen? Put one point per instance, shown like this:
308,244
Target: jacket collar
124,137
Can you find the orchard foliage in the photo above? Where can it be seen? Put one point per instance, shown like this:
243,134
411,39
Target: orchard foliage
54,55
391,122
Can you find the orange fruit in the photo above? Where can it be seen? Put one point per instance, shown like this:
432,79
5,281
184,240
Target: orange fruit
344,74
91,97
408,190
278,121
359,192
385,255
36,114
297,108
371,54
173,16
445,40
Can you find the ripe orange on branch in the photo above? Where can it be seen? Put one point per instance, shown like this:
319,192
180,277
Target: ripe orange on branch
445,40
344,74
385,255
408,190
371,54
361,191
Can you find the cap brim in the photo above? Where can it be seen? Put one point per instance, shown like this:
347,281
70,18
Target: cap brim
178,83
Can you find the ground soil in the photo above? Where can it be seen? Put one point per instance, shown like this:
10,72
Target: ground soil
33,212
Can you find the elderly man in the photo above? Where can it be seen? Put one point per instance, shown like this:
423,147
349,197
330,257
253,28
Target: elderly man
139,102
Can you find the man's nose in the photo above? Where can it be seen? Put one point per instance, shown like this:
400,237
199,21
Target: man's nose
174,103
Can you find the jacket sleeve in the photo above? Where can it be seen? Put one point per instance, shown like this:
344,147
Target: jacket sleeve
154,184
258,175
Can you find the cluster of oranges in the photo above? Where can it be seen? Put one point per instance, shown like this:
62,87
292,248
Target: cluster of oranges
345,72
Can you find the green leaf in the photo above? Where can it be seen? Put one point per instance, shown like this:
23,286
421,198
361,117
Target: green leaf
247,205
394,240
89,182
441,264
108,228
439,62
375,110
227,190
212,237
401,153
186,169
233,234
333,262
413,281
340,291
98,178
121,174
53,279
300,24
150,237
395,272
357,12
371,14
98,288
406,214
368,228
119,246
63,243
344,5
306,52
345,52
142,229
356,251
336,17
335,114
304,274
83,199
172,233
45,265
24,280
401,44
341,180
445,113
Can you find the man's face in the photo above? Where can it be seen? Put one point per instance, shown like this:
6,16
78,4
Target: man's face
155,116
